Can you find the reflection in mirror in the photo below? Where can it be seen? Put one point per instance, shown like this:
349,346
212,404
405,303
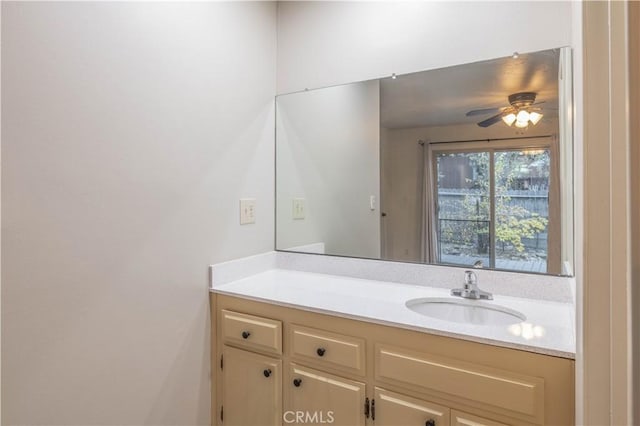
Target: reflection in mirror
469,165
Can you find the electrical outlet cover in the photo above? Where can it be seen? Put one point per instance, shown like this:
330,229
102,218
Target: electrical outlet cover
247,211
299,210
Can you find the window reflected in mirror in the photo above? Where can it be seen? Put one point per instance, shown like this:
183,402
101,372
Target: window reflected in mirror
510,185
463,204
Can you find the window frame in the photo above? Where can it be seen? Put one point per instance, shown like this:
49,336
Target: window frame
491,146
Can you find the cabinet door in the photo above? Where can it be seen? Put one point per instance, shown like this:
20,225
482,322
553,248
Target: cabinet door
318,398
394,409
458,418
252,389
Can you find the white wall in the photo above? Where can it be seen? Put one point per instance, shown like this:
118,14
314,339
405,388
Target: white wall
326,43
328,153
129,132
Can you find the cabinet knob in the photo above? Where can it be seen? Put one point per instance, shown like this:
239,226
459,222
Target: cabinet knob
297,382
321,351
245,334
430,422
266,372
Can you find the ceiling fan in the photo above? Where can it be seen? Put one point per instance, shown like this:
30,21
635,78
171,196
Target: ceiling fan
520,112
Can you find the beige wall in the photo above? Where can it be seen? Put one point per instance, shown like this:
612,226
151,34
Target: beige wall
0,226
634,111
129,132
605,350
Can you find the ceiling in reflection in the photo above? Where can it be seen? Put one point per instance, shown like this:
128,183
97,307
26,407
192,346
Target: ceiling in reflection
442,97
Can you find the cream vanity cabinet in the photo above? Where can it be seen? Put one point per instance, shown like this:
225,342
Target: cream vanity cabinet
251,369
326,369
275,365
318,397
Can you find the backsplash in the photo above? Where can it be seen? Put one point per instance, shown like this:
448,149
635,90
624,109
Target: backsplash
531,286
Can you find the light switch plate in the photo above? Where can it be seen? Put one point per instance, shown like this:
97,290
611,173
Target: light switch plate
299,210
247,211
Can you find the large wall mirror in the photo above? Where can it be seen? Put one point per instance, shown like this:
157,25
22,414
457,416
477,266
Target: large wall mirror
470,165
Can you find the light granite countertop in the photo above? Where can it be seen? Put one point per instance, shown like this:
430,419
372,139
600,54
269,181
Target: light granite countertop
549,327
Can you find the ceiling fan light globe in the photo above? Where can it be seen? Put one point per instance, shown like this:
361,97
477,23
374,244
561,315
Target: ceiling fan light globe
535,117
523,116
522,124
509,119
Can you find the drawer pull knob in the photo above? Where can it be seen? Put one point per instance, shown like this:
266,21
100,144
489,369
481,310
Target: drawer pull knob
297,382
430,422
321,351
245,334
267,373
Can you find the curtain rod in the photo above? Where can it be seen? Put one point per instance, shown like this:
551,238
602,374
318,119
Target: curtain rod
422,142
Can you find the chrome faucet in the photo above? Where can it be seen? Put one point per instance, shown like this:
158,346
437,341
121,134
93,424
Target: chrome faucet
470,289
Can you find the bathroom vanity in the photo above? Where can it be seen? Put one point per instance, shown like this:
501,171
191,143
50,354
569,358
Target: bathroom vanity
427,168
307,348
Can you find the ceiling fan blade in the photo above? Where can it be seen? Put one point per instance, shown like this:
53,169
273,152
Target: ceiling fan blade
483,111
490,121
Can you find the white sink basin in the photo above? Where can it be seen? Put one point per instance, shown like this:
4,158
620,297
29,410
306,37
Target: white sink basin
465,311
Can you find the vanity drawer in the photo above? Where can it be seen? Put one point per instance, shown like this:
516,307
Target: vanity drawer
493,389
252,332
328,349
